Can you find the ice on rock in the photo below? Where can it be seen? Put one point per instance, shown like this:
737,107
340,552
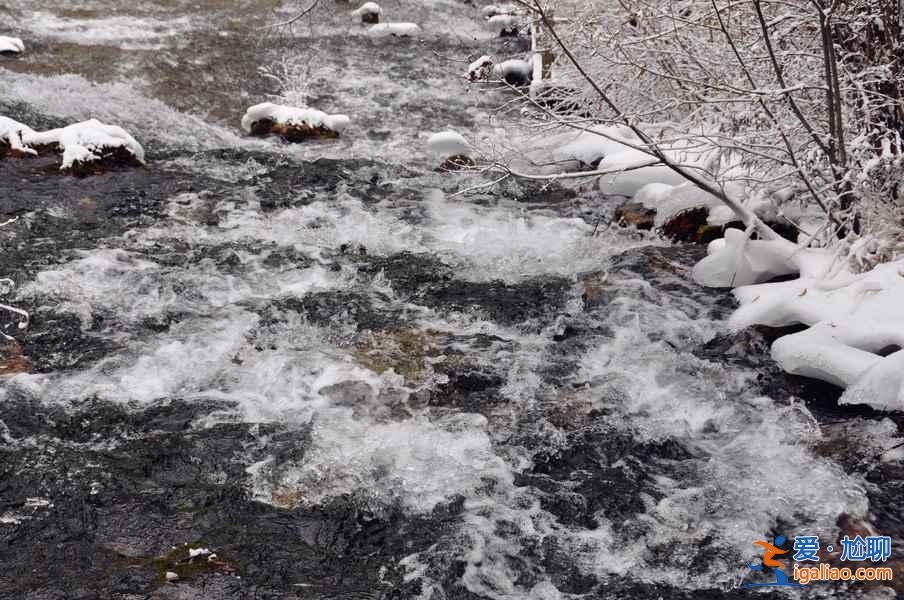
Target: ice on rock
448,143
290,116
396,29
11,45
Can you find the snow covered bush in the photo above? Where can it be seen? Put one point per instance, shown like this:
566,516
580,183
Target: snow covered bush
291,123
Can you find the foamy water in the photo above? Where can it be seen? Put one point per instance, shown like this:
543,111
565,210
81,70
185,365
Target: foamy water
747,462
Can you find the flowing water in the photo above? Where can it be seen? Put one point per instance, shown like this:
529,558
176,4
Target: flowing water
348,382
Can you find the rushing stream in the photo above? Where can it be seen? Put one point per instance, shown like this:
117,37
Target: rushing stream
347,382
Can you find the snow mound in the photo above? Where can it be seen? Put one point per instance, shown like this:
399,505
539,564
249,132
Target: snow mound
290,116
503,24
81,143
596,143
448,143
11,45
498,9
368,8
480,69
514,71
397,29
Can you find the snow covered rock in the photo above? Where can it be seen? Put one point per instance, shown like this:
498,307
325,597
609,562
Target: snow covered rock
291,123
498,9
589,147
369,12
452,148
393,29
87,147
480,69
504,25
11,138
11,45
514,72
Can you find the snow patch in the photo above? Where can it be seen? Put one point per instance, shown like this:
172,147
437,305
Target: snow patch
82,142
397,29
368,8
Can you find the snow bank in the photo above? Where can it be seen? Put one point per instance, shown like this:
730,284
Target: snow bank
285,117
480,69
396,29
11,45
81,143
855,321
448,143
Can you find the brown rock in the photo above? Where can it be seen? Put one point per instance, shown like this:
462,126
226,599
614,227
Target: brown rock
635,214
370,18
688,226
12,360
291,132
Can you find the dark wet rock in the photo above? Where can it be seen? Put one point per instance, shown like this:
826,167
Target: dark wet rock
635,214
331,308
428,281
600,470
690,226
457,163
57,341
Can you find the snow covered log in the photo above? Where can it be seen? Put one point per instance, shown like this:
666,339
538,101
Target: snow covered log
480,69
291,123
515,72
452,147
89,147
11,45
369,13
393,29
